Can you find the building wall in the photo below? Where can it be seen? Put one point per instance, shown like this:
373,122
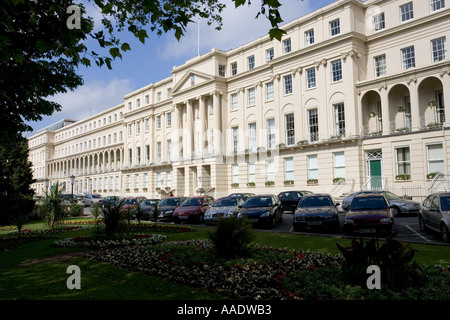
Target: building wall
327,109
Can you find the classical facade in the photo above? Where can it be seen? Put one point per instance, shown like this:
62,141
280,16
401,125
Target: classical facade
351,98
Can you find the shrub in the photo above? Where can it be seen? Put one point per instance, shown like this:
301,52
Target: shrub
75,210
113,218
233,237
52,211
393,258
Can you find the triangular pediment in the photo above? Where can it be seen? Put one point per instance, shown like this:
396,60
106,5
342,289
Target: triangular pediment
191,79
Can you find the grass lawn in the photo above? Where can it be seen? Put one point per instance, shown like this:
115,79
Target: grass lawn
23,277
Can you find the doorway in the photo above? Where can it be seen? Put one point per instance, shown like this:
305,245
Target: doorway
374,170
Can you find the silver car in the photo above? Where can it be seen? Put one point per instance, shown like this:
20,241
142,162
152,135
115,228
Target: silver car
91,199
223,207
435,214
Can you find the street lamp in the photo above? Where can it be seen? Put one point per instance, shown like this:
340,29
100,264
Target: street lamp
72,181
46,182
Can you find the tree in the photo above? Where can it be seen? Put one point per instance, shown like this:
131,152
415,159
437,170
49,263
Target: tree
16,196
42,42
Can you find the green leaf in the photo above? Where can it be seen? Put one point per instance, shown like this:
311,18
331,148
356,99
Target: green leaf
125,47
18,58
142,34
276,33
86,62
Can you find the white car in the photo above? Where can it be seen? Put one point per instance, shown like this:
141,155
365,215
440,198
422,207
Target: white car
91,199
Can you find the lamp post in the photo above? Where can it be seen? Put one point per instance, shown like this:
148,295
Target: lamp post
72,181
46,182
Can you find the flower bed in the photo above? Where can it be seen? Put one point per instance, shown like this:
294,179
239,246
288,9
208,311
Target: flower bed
270,274
159,228
97,243
238,279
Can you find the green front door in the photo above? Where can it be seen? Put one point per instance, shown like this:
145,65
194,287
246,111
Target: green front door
375,175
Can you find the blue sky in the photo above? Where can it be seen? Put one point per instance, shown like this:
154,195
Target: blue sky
150,62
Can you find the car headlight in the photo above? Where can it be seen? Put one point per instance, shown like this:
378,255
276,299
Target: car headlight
385,220
169,211
348,221
265,214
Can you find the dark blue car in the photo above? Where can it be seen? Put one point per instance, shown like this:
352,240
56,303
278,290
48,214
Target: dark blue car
263,210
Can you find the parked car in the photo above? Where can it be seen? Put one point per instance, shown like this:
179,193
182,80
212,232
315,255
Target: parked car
223,207
193,209
244,195
435,214
130,203
289,199
111,200
91,199
316,211
369,214
147,206
399,206
69,198
263,209
167,206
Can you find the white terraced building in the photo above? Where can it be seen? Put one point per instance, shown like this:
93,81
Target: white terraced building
352,98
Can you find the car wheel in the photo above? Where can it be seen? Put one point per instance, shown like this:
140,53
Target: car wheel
444,233
396,211
393,230
201,218
273,222
422,225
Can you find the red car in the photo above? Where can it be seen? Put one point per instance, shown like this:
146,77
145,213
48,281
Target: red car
193,209
131,203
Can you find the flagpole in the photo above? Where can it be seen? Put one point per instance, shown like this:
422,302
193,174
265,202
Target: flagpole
198,37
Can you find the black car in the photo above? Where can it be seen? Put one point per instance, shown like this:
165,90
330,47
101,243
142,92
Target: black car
167,206
111,200
244,195
289,199
147,207
316,211
262,210
369,214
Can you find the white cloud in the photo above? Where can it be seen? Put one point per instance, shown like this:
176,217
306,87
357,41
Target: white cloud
239,27
92,98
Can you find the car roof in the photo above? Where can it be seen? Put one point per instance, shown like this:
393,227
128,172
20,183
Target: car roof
317,195
262,195
375,194
231,197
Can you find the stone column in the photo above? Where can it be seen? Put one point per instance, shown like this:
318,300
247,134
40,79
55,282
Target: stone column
175,133
217,127
202,124
187,132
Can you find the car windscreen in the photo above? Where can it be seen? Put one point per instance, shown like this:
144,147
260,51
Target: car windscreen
225,203
149,203
192,202
130,201
368,203
258,202
97,196
315,202
169,202
445,203
391,196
